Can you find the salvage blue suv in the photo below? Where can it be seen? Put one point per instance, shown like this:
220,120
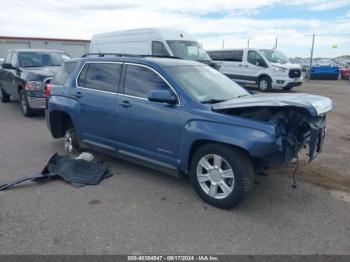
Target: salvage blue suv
182,117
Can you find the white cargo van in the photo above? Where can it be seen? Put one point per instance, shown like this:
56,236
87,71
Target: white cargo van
150,41
267,68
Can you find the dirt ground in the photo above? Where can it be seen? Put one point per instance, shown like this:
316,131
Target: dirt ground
331,168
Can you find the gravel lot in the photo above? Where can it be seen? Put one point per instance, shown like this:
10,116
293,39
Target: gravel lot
141,211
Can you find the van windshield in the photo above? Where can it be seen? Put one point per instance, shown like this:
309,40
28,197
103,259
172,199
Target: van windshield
274,56
188,50
206,84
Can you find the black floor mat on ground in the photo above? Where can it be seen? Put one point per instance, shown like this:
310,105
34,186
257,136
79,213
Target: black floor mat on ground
78,172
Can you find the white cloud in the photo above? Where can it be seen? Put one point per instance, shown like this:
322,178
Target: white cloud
82,18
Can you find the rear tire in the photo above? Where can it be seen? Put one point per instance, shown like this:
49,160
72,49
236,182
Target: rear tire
264,84
26,110
5,98
71,143
220,174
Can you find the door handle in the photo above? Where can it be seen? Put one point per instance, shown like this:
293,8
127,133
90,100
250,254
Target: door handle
78,94
246,66
124,103
240,65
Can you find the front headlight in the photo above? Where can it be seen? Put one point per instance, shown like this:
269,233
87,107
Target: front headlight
33,85
280,70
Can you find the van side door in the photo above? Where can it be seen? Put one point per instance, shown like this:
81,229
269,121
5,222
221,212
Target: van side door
231,62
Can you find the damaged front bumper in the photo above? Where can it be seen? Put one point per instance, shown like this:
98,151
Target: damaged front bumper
312,140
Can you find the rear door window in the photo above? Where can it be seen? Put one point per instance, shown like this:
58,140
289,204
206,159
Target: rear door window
230,56
139,81
100,76
159,49
234,56
63,73
215,55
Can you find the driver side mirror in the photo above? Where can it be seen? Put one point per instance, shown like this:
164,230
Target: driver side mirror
8,66
260,63
162,96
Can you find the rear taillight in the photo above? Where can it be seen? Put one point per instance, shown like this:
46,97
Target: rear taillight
47,90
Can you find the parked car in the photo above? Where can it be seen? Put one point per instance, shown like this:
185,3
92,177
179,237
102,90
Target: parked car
23,76
161,42
345,72
324,69
184,117
267,68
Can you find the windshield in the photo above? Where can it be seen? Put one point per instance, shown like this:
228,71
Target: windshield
188,50
274,56
206,84
37,59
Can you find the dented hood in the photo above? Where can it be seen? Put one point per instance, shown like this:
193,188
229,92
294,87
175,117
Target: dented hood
316,105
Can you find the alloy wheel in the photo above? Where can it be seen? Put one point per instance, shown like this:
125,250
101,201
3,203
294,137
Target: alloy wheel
263,85
68,141
215,176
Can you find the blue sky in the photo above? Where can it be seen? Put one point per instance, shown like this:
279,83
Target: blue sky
212,22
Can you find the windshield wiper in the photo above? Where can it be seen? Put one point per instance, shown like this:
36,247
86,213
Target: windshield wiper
213,101
32,66
243,95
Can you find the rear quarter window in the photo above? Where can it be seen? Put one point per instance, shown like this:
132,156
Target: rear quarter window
63,73
230,56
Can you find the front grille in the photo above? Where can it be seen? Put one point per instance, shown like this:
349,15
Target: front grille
294,73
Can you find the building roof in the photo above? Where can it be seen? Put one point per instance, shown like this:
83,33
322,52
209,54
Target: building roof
42,39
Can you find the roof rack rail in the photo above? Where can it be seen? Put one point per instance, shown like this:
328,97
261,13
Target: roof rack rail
126,55
110,54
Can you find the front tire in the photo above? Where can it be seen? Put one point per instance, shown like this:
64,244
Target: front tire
220,174
264,84
26,110
287,88
5,98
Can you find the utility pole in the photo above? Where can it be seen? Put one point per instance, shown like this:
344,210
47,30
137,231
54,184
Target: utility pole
248,43
276,43
223,44
312,53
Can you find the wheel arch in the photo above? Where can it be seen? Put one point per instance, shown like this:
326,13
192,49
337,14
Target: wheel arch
60,122
249,176
200,142
263,75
